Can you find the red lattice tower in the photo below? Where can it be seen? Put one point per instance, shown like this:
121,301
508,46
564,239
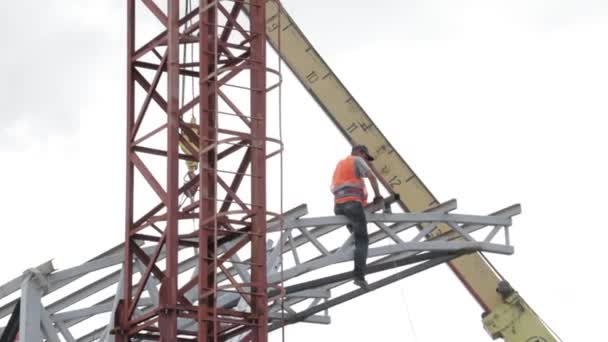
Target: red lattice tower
225,139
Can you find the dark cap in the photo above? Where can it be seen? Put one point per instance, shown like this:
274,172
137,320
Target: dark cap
362,149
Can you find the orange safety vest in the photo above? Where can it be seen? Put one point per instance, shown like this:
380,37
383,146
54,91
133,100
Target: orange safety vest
345,185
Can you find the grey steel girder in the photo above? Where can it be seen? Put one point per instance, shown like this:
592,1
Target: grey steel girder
300,246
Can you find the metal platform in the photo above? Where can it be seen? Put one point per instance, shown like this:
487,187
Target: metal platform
307,261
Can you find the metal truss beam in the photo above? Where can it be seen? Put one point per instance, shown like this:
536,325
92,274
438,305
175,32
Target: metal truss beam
398,250
298,317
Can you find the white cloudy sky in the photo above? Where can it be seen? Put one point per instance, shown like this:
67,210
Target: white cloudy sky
491,102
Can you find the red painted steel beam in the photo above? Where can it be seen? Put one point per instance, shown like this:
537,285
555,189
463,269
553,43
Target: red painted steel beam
169,285
156,11
121,315
144,107
259,306
207,204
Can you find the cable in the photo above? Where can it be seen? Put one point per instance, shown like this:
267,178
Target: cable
409,316
282,220
188,8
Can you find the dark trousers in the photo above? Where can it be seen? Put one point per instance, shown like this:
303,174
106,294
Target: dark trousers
357,226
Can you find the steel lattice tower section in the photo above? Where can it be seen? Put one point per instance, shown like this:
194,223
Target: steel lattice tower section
228,52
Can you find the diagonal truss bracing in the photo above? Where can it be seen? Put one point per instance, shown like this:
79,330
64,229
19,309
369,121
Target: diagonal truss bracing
221,54
396,251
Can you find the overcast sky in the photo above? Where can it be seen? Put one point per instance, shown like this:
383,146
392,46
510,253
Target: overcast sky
491,102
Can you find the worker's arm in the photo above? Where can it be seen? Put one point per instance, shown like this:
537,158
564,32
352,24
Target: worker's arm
363,170
374,183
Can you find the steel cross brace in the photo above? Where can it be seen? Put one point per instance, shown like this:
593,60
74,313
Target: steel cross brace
61,311
57,318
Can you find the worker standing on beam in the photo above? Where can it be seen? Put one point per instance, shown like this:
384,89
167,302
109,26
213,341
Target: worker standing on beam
350,196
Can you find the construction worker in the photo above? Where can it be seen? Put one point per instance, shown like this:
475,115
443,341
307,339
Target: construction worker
350,196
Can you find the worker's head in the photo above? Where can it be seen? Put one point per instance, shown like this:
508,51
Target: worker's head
361,151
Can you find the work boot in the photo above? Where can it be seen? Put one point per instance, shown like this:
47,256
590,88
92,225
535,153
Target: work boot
362,283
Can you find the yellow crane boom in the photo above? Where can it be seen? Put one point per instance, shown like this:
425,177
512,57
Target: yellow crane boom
506,314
